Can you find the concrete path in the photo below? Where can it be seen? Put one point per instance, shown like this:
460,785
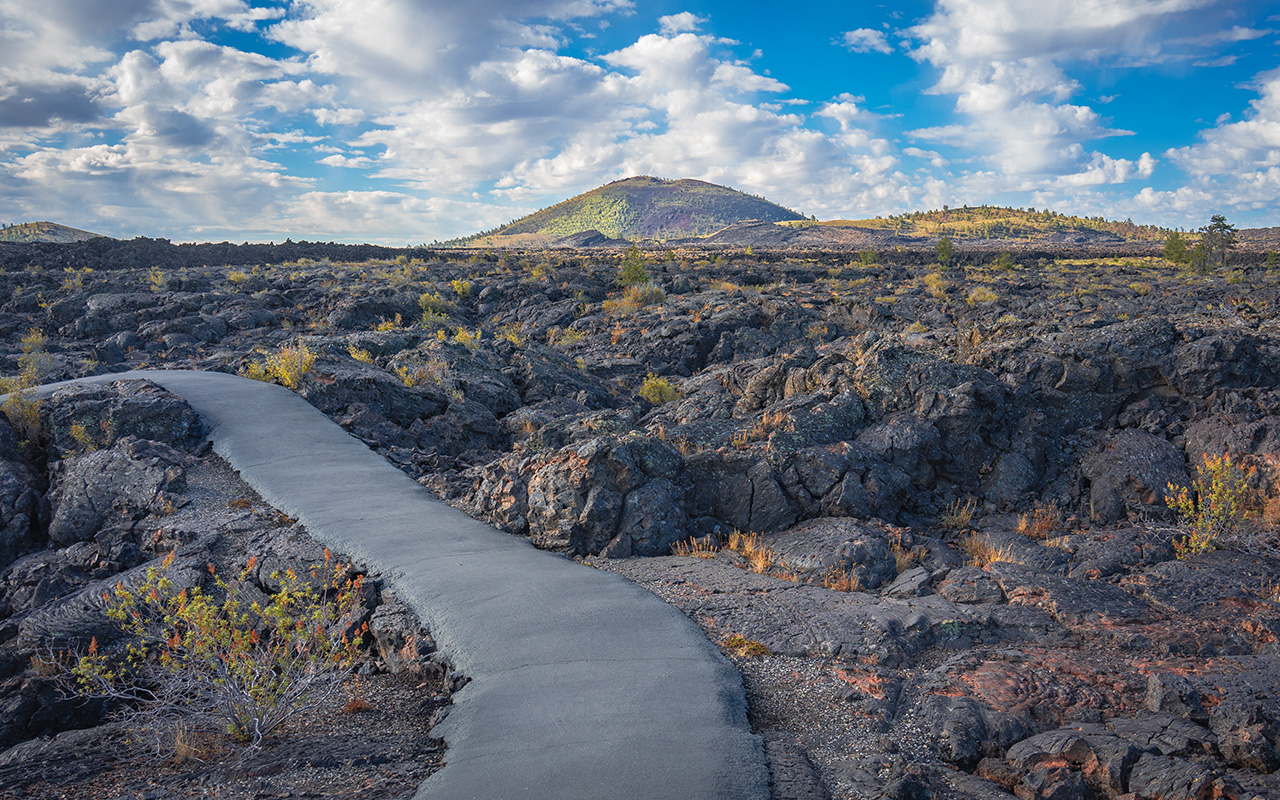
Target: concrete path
583,685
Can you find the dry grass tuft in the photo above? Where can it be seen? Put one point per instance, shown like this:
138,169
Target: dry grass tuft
695,548
759,557
904,558
357,703
1042,521
981,552
959,514
839,580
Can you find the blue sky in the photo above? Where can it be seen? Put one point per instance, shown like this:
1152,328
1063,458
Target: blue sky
402,121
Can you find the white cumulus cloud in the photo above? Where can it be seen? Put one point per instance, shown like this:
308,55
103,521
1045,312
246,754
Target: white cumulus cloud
866,40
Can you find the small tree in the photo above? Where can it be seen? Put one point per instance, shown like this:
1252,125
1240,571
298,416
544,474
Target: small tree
1175,248
1218,237
632,272
946,250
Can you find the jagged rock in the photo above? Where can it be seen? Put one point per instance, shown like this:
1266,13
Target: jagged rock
335,386
1175,694
970,585
399,639
1165,734
1246,735
739,490
965,731
844,479
816,549
587,495
97,415
1128,474
1080,755
1071,601
19,498
652,517
132,477
913,582
75,619
364,312
1169,778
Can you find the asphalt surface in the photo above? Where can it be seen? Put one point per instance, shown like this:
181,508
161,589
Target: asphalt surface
582,684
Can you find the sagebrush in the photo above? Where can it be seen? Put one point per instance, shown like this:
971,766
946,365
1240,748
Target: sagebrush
218,662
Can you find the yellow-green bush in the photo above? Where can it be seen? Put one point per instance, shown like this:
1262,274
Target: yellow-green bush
1214,509
981,296
657,390
286,366
223,662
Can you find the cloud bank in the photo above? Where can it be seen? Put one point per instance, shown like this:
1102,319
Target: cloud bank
402,122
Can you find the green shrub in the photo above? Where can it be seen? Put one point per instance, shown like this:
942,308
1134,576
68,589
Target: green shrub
1213,510
657,390
434,303
286,366
289,364
21,405
221,662
632,271
981,296
565,337
511,333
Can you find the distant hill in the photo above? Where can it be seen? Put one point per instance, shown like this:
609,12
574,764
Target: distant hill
639,208
44,232
994,222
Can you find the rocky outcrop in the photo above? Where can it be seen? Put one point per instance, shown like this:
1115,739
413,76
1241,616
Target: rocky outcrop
85,417
133,477
19,498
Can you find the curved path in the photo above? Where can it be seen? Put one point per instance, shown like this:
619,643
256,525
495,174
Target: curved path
583,685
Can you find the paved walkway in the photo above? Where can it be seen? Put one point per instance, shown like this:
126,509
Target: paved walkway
583,685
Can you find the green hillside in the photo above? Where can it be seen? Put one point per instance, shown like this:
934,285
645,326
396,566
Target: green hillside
44,232
645,208
994,222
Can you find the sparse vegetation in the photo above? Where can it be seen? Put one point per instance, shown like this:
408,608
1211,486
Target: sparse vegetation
959,514
743,647
21,405
981,296
945,250
435,304
1213,511
696,548
632,271
286,367
657,390
1042,521
511,333
360,354
221,662
981,552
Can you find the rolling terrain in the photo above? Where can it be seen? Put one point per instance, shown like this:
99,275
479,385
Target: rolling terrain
51,232
638,208
927,504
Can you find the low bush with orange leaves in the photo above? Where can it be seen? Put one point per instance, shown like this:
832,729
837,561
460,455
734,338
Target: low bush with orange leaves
214,661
